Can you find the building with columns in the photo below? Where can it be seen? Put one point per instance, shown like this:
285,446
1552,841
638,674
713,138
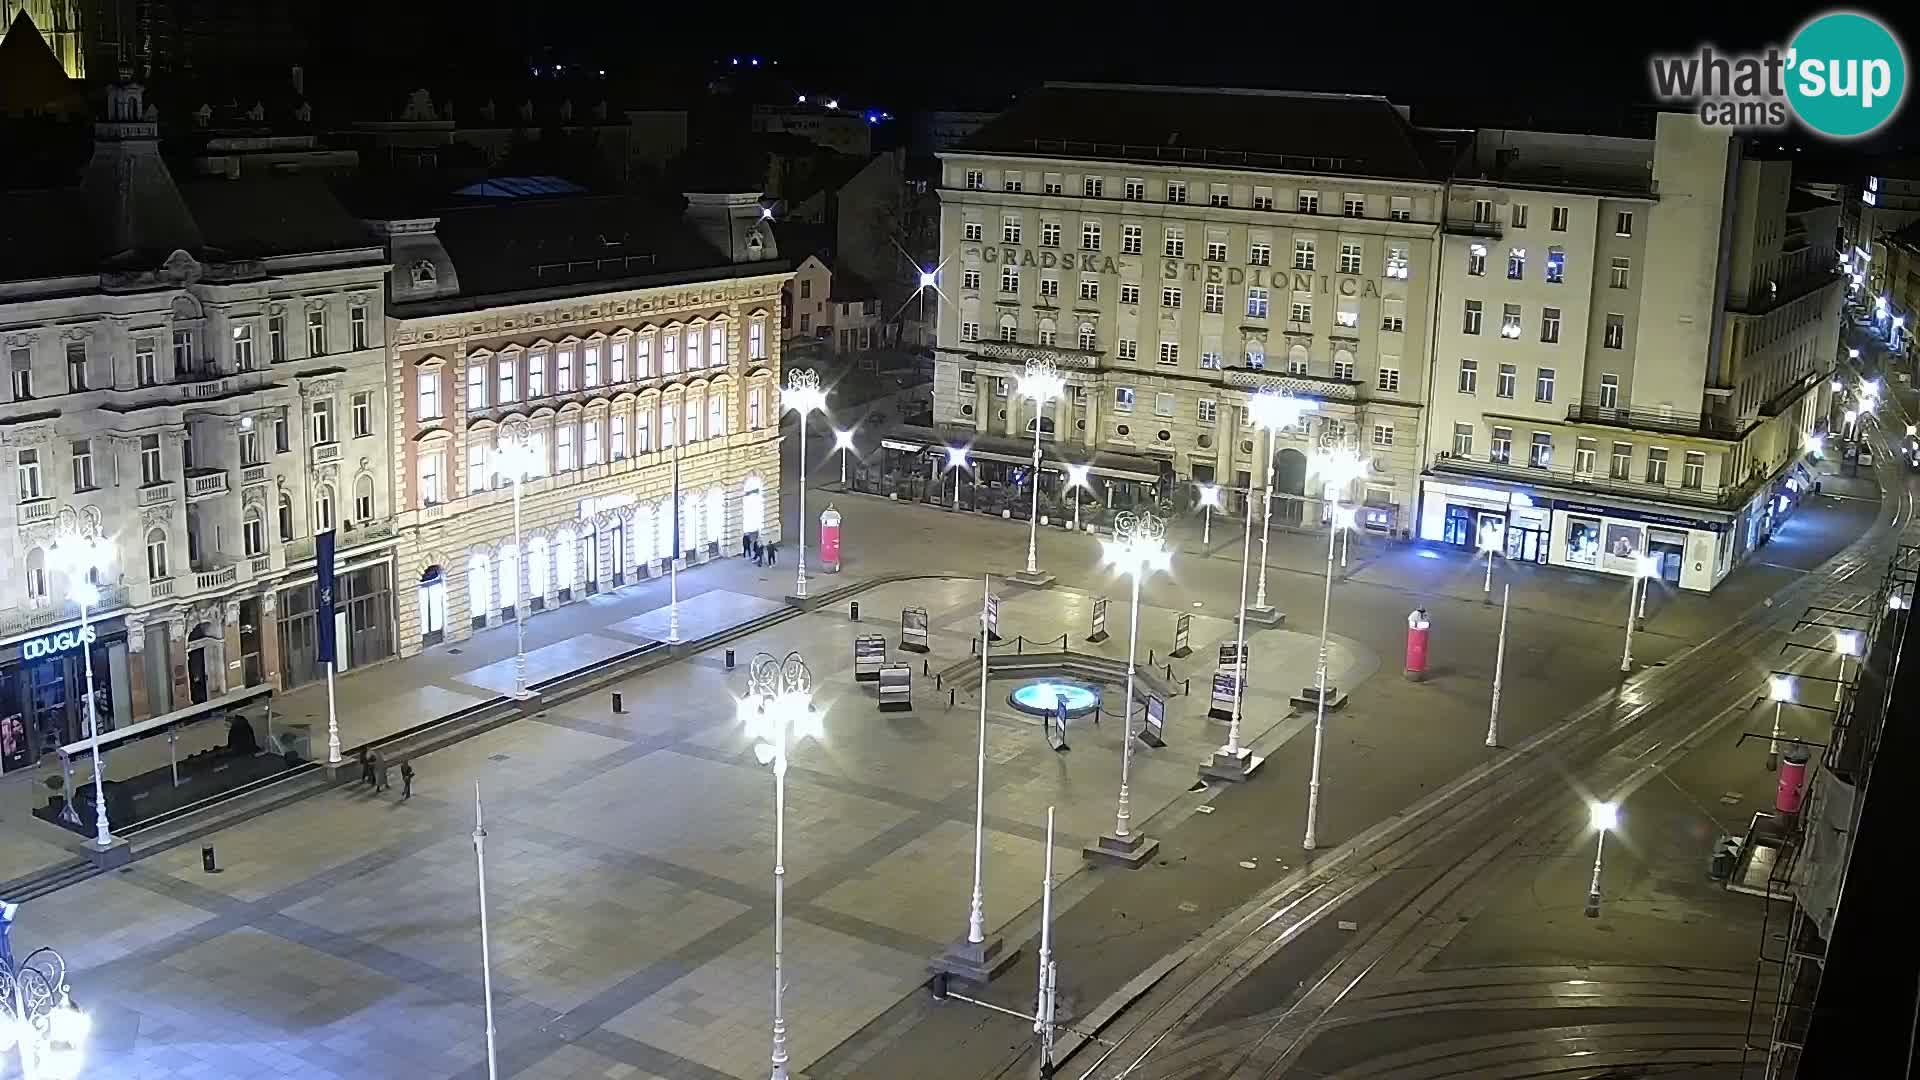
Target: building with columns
632,355
1174,251
195,375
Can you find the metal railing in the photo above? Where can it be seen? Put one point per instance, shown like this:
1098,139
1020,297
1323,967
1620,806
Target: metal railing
1704,425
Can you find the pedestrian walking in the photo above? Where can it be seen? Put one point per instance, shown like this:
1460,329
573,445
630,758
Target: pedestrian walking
773,553
759,553
366,766
746,544
406,780
381,770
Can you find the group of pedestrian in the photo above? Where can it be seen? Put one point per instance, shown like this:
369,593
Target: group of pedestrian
373,773
761,554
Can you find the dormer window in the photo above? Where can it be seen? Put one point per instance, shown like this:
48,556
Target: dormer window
424,275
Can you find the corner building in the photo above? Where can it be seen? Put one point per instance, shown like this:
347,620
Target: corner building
635,355
1174,251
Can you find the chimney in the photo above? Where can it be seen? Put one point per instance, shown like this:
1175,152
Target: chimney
734,223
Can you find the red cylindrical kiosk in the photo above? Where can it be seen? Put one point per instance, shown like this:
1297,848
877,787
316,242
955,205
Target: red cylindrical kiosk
830,540
1417,624
1793,780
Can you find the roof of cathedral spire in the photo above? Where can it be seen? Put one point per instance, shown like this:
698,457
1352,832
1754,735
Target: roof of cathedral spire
32,82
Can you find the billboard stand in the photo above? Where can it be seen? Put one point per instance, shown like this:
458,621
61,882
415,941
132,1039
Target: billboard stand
1097,632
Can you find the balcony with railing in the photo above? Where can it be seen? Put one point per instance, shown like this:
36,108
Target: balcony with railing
204,483
326,453
37,511
1567,478
158,494
1323,387
256,474
1467,226
1698,425
26,618
218,577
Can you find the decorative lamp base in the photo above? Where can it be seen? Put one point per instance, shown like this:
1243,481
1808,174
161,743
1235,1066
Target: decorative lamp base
977,964
1266,616
1039,579
1233,767
1131,853
114,855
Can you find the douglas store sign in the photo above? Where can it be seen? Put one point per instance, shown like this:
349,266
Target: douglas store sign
55,644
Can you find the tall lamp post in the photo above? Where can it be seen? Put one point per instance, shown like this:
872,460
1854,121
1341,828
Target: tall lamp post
1605,817
81,557
1233,761
777,709
803,395
1337,469
974,957
1644,567
486,941
1271,411
1077,478
843,442
519,458
1209,501
1780,690
1499,668
1489,543
956,460
1041,384
38,1018
1137,549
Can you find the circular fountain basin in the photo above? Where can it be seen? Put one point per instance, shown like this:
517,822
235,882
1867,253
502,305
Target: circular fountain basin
1042,697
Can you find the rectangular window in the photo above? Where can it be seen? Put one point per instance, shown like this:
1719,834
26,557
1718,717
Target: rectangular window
617,362
183,351
1400,209
617,434
669,354
1349,258
716,416
563,363
969,331
1046,335
432,482
1090,290
1387,379
1393,321
976,179
1208,411
82,464
1616,334
76,366
1176,191
970,279
316,334
1256,303
1092,187
1470,321
1619,271
1622,462
29,473
1299,309
1263,198
1129,293
1510,321
1170,297
1348,313
1383,435
150,469
427,392
1657,465
1009,331
643,432
1506,381
1302,253
1126,349
669,424
1308,202
1257,356
1693,471
362,414
476,385
1260,254
1343,369
1550,325
590,364
563,447
1469,376
282,438
1218,195
1176,242
1516,264
1013,181
1556,265
1398,264
509,381
1354,206
1584,453
973,231
1540,454
1609,391
1476,260
479,467
1050,288
643,358
1089,339
1009,279
276,339
243,348
1163,404
1216,299
536,375
1216,251
1132,239
1543,384
1090,236
1010,230
1500,447
1560,216
249,446
146,367
1623,223
1170,352
358,331
1483,211
1123,399
320,422
1136,190
1297,362
1463,440
1519,215
1210,361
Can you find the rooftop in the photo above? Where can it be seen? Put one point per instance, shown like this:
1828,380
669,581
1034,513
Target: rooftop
1263,129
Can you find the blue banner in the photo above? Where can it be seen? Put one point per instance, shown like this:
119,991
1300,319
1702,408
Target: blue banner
323,598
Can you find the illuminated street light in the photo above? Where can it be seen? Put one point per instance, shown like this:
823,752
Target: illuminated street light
843,442
1337,469
803,395
37,1017
928,279
778,708
1040,384
1780,690
1271,411
1077,478
80,558
1836,386
1489,543
1644,567
1604,817
1137,549
1816,443
956,460
1209,499
1846,643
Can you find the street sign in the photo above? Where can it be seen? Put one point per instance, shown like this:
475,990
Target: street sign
869,656
993,617
1057,725
1154,731
1182,637
1098,632
1221,707
1229,652
913,629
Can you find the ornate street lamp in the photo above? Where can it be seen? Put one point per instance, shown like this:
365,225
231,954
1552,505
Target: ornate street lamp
519,458
1137,549
80,558
1041,384
1272,411
38,1018
803,395
1337,470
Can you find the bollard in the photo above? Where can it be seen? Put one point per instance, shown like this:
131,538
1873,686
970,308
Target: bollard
855,607
206,859
616,703
1186,688
1150,661
1169,672
925,667
729,659
950,699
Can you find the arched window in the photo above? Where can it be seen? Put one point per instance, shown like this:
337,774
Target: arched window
753,506
537,567
286,518
479,593
1256,354
253,532
693,417
1297,360
157,555
716,523
322,508
1009,328
363,498
37,575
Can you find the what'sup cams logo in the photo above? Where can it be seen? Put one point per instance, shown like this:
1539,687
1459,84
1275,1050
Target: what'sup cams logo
1844,75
